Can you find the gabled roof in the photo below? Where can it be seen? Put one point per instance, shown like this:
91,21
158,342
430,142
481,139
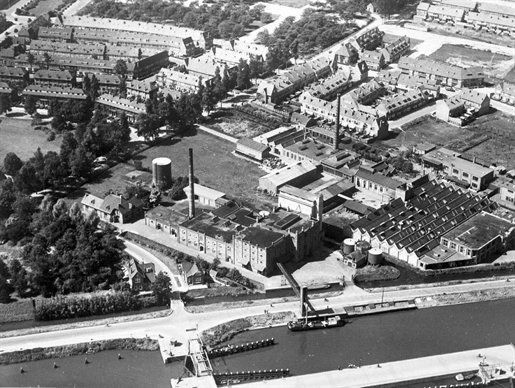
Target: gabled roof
439,68
254,145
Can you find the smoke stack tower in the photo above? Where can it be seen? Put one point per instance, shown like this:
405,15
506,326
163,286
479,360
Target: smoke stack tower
337,132
192,186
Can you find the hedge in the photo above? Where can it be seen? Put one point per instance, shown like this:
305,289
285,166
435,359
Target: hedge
85,306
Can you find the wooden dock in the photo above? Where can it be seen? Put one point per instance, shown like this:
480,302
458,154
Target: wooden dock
397,373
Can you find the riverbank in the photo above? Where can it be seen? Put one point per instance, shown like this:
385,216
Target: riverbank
467,297
143,344
226,331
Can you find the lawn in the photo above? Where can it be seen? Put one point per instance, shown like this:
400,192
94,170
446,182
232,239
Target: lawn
4,4
494,64
214,164
18,136
44,6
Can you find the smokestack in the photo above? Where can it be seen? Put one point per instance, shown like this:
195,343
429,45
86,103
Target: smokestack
337,132
192,186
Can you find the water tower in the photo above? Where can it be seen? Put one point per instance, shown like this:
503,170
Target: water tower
162,173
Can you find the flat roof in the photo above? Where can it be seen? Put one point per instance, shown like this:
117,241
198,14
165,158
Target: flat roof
204,191
479,230
453,159
288,173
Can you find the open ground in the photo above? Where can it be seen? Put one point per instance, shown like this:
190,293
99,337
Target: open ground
44,6
493,64
20,137
499,148
215,165
4,4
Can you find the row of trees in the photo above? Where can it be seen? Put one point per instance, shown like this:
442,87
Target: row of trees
224,19
348,9
311,34
13,277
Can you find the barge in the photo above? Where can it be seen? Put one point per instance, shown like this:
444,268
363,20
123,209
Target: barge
323,323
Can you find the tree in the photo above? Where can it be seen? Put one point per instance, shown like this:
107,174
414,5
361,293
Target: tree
7,198
26,181
19,277
80,163
46,59
4,270
5,291
161,288
243,76
208,98
256,68
86,84
12,164
93,92
120,67
5,103
30,105
148,126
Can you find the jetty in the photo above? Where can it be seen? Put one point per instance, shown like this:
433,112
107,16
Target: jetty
232,349
227,378
399,373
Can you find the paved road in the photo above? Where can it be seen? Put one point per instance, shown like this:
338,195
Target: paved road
175,325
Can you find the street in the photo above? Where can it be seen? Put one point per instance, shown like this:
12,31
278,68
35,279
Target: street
174,326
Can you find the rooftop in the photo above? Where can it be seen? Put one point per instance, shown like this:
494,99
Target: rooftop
450,158
479,230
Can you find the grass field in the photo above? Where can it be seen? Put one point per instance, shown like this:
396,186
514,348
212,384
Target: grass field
4,4
20,137
44,6
214,164
493,64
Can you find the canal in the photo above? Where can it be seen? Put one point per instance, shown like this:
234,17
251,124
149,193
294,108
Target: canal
365,340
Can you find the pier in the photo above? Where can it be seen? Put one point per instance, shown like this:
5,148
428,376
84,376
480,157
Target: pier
399,373
172,350
226,378
231,349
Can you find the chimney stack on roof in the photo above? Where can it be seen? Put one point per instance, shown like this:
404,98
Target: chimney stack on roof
192,186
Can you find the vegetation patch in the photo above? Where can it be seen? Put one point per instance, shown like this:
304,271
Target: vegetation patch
35,354
20,310
371,273
227,331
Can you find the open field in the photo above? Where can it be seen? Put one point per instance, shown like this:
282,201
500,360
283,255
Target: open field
493,64
20,137
499,148
215,165
237,125
44,6
4,4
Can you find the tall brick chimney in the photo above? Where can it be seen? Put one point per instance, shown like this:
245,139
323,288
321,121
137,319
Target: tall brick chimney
192,186
337,131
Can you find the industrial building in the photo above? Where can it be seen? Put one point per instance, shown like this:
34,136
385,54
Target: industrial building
469,173
113,208
409,230
251,149
295,174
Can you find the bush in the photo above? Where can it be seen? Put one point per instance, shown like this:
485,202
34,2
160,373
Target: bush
83,306
51,136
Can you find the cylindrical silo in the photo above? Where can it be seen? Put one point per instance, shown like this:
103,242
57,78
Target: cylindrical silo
362,246
375,256
162,172
348,246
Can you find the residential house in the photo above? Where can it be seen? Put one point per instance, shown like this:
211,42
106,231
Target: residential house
374,59
45,94
396,49
113,208
12,74
57,78
369,40
140,276
346,55
185,82
55,34
367,93
402,103
141,89
442,72
116,105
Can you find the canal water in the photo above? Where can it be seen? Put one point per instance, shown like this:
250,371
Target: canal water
364,340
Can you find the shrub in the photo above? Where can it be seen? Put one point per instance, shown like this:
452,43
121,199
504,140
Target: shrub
51,136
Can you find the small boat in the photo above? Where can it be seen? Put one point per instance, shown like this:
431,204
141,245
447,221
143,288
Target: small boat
324,323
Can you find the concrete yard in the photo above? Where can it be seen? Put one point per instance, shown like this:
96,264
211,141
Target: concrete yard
397,372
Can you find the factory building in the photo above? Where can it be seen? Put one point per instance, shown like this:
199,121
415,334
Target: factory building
409,230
